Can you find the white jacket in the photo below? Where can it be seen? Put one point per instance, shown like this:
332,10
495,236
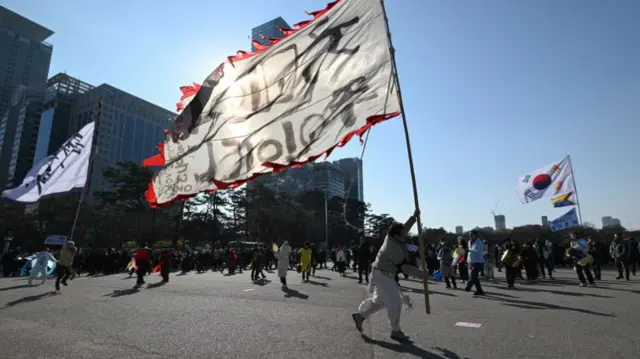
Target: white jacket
283,260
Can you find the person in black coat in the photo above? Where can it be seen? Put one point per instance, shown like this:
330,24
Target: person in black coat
364,261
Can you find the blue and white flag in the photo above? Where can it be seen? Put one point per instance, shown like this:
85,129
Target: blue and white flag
567,220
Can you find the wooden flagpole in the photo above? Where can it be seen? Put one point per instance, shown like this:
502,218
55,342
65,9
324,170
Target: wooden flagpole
425,274
94,146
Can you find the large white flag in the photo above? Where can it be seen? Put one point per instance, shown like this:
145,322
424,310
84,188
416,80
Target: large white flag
546,182
284,105
57,173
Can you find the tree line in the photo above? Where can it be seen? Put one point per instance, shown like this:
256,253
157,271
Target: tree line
252,213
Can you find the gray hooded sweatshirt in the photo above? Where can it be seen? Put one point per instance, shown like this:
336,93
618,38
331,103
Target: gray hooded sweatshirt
393,254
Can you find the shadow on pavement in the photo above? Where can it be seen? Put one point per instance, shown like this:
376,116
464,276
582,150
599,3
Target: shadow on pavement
155,285
500,294
448,353
292,293
231,274
410,348
15,287
261,282
318,283
123,292
421,291
319,277
561,292
524,304
32,298
617,289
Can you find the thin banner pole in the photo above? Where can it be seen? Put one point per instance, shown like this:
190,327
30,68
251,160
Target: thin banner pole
575,189
94,146
423,264
75,219
326,221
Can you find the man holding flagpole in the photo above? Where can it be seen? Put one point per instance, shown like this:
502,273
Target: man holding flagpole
393,255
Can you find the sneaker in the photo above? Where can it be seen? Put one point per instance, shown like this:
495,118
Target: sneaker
591,285
399,335
64,283
358,319
57,286
582,285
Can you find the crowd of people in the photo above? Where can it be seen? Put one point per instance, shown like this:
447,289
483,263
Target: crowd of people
464,262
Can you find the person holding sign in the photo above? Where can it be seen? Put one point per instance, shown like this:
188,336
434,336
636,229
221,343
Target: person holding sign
393,256
40,268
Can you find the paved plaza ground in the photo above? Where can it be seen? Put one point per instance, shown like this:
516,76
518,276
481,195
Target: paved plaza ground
214,316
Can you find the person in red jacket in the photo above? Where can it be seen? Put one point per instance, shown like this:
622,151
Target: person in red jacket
233,261
142,257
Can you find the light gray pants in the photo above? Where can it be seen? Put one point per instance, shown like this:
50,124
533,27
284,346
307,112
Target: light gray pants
488,269
38,271
386,294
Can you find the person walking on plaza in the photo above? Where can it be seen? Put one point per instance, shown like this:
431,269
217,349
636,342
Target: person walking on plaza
445,256
165,264
283,263
620,254
364,261
488,261
475,258
306,256
143,262
63,269
386,293
40,268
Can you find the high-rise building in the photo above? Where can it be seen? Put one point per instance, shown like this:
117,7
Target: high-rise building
342,178
608,222
500,222
321,176
327,178
62,91
24,65
353,179
129,128
459,230
268,29
545,221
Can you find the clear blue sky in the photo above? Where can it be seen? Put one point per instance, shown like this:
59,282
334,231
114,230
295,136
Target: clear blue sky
492,89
